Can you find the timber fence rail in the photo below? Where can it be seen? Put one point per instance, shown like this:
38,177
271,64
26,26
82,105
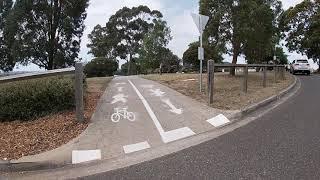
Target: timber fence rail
279,73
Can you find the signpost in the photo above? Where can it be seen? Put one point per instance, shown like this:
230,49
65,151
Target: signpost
201,22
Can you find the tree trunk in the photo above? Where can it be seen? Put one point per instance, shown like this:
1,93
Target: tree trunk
236,51
129,65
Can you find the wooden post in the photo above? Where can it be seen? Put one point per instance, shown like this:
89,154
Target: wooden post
244,86
210,81
79,91
275,73
265,76
283,73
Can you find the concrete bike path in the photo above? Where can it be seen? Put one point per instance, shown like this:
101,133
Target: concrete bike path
135,115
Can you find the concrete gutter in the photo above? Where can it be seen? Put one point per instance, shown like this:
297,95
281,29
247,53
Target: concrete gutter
249,109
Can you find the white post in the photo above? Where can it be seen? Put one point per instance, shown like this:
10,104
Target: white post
201,59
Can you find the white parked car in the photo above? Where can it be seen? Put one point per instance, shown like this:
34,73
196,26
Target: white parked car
300,66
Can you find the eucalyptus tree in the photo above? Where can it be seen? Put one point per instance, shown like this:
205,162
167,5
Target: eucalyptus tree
6,60
301,29
240,26
49,32
123,34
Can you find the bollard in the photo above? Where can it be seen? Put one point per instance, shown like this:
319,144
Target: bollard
210,81
265,77
79,91
244,86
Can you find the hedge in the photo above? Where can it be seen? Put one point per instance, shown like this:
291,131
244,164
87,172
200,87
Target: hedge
30,99
101,67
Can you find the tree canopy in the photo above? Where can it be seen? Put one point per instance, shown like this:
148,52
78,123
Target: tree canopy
153,49
190,56
123,34
301,28
47,33
6,60
241,26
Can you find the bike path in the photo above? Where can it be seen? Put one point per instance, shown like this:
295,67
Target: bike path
135,115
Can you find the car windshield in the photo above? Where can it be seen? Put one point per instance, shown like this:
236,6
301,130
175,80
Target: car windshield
302,61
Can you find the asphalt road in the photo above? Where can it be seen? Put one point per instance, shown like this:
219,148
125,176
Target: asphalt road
283,144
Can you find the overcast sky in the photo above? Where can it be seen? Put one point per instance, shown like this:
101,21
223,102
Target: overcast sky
176,13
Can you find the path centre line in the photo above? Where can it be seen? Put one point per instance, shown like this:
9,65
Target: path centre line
148,108
165,136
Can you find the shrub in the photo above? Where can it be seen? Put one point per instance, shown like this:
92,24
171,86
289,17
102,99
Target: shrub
27,100
101,67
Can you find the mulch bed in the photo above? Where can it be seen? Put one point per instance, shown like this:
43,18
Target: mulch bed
18,139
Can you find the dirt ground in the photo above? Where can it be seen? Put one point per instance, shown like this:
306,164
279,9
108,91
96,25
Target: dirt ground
19,139
227,92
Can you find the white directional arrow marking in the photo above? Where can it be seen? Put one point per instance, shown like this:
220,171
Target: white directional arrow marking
119,98
157,92
147,86
173,108
120,89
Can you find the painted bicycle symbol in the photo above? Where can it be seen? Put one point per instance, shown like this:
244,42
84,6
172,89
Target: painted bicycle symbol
122,112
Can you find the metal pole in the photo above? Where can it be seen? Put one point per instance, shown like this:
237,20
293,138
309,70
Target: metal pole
265,77
79,91
244,87
210,81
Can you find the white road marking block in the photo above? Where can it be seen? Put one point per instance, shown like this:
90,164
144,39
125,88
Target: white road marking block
165,136
136,147
85,156
177,134
219,120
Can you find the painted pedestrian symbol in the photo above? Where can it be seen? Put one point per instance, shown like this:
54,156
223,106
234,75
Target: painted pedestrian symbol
122,112
119,98
157,92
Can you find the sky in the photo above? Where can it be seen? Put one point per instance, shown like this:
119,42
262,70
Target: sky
176,13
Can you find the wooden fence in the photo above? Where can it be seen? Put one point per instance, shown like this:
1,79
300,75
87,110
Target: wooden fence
77,71
279,73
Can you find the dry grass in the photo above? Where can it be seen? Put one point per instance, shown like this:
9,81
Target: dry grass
19,139
227,92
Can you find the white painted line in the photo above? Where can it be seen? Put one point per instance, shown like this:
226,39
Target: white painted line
85,156
136,147
165,136
219,120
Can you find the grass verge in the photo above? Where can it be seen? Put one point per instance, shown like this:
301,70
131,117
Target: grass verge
227,92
